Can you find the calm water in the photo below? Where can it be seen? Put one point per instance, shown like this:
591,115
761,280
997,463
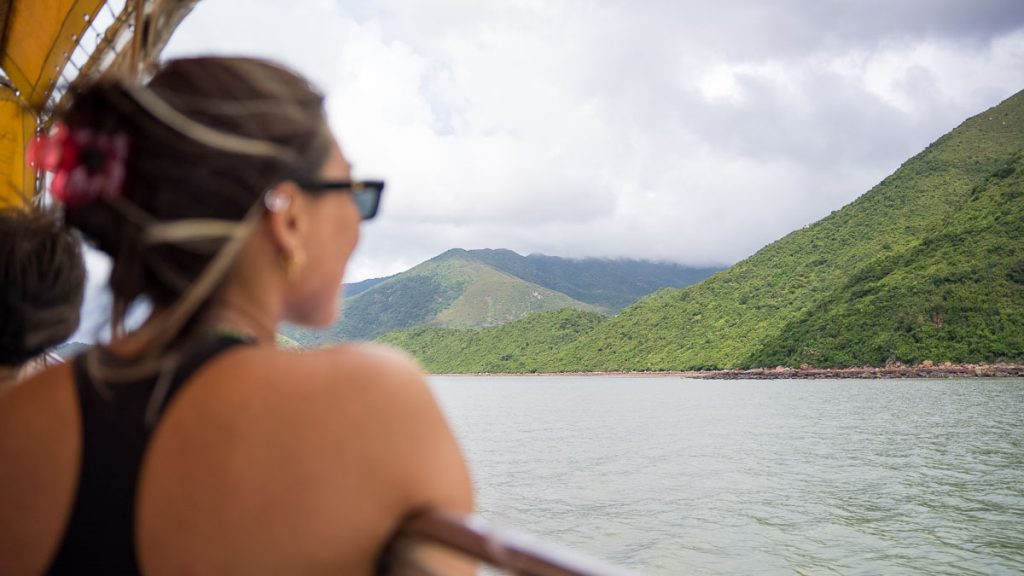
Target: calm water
674,476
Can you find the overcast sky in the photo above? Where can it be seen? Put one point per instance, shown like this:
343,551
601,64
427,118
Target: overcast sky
695,132
688,131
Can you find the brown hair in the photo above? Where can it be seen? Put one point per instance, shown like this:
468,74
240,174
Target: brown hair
173,176
42,278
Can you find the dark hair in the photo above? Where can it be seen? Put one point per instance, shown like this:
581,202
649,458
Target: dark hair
170,176
42,278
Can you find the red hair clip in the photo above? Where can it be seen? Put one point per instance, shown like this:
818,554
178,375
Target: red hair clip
86,164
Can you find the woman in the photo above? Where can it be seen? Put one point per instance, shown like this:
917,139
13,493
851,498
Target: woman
42,278
193,445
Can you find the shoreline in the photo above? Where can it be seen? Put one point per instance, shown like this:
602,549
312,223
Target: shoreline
891,371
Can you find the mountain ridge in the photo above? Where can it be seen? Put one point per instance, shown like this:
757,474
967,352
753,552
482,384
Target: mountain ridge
480,288
763,310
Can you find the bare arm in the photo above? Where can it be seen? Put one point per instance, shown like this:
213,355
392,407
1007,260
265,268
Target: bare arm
416,458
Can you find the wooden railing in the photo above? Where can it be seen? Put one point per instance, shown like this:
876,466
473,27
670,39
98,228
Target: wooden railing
441,544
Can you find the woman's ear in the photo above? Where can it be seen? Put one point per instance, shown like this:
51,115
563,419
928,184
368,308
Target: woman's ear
285,217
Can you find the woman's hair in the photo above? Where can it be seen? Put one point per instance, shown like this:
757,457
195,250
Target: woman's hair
42,278
206,138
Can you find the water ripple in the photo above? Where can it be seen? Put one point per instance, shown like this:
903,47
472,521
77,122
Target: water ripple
672,476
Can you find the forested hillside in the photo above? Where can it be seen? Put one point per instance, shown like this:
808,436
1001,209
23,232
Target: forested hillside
927,265
609,284
482,288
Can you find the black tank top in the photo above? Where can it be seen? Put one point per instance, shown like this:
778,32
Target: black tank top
100,535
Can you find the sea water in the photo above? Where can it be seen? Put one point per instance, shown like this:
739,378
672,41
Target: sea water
674,476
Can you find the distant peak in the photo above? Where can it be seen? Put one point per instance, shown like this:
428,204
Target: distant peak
452,253
495,251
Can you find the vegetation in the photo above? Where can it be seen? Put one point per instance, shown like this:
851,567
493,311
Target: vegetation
609,284
957,296
480,288
927,265
350,290
512,347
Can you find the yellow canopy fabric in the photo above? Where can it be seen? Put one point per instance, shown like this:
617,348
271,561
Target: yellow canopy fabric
38,39
17,127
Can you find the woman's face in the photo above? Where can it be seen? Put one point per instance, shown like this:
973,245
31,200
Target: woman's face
330,239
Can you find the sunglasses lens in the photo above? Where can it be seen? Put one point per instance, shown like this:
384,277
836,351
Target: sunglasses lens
367,200
366,194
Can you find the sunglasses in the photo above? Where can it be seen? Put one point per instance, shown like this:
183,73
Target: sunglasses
366,192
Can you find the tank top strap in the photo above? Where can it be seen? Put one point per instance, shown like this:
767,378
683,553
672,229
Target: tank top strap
116,425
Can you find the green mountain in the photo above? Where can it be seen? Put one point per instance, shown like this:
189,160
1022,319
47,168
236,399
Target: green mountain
350,290
609,284
512,347
958,295
481,288
927,265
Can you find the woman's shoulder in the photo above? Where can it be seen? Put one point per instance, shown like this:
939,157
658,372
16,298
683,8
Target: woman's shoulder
358,366
319,384
370,402
40,388
364,356
342,441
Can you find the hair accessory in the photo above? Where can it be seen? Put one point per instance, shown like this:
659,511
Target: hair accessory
86,164
202,133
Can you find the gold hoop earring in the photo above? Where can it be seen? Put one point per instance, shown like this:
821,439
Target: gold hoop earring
296,262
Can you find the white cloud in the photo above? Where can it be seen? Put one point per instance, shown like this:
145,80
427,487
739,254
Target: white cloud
684,131
95,313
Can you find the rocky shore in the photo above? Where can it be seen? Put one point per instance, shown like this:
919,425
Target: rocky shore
894,370
891,371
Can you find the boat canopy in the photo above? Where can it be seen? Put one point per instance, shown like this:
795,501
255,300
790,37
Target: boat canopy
46,46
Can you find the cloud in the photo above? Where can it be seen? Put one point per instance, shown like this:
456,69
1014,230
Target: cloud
95,314
686,131
94,323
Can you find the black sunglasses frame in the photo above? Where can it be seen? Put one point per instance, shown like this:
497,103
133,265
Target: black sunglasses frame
367,193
